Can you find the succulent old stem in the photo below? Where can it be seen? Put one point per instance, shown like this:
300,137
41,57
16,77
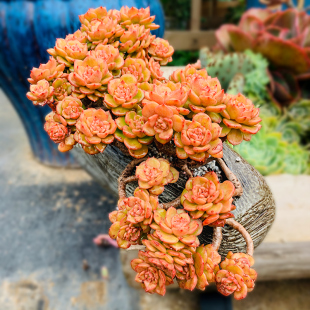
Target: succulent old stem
249,242
177,202
231,177
126,177
217,238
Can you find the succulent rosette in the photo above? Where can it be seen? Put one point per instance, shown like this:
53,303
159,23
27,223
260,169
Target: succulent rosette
188,74
67,50
151,276
139,208
206,264
110,55
137,68
137,16
206,198
49,71
78,35
90,78
162,121
154,67
170,94
123,94
206,95
136,213
176,228
187,265
135,39
69,110
41,93
198,139
236,276
153,174
95,129
58,133
98,13
125,233
62,88
101,26
161,51
131,134
240,119
173,263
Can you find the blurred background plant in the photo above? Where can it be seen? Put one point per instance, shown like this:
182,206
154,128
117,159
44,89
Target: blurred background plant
177,14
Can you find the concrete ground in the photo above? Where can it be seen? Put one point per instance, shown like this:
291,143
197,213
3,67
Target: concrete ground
48,218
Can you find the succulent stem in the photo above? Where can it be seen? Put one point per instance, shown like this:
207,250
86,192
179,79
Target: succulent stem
217,238
126,178
249,242
231,177
177,202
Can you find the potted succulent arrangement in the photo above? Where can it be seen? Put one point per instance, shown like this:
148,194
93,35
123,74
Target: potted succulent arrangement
191,205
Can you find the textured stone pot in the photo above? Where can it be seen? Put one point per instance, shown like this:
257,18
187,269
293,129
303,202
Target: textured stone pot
255,209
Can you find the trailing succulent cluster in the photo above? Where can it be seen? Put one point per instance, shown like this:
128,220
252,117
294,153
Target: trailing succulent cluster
104,85
167,235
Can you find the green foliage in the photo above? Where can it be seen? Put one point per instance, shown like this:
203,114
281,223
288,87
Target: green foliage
275,148
253,68
234,14
177,13
236,85
183,58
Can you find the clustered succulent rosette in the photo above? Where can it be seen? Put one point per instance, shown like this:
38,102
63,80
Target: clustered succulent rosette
105,85
58,132
235,275
153,174
113,62
208,199
133,218
240,119
198,139
94,130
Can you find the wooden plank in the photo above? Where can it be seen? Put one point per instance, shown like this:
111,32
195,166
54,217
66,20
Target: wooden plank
279,261
190,40
195,14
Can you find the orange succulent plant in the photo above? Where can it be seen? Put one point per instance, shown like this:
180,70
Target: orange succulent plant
154,174
105,85
240,119
206,198
198,139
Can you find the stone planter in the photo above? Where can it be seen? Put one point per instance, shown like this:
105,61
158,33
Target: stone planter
255,208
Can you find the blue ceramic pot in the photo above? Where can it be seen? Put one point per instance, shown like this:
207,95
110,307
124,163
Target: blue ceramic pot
27,30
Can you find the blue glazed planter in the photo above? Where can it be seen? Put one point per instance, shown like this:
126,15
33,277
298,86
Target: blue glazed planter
27,30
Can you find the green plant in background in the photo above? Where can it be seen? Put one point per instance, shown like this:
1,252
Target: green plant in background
235,13
183,58
177,13
275,149
238,72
